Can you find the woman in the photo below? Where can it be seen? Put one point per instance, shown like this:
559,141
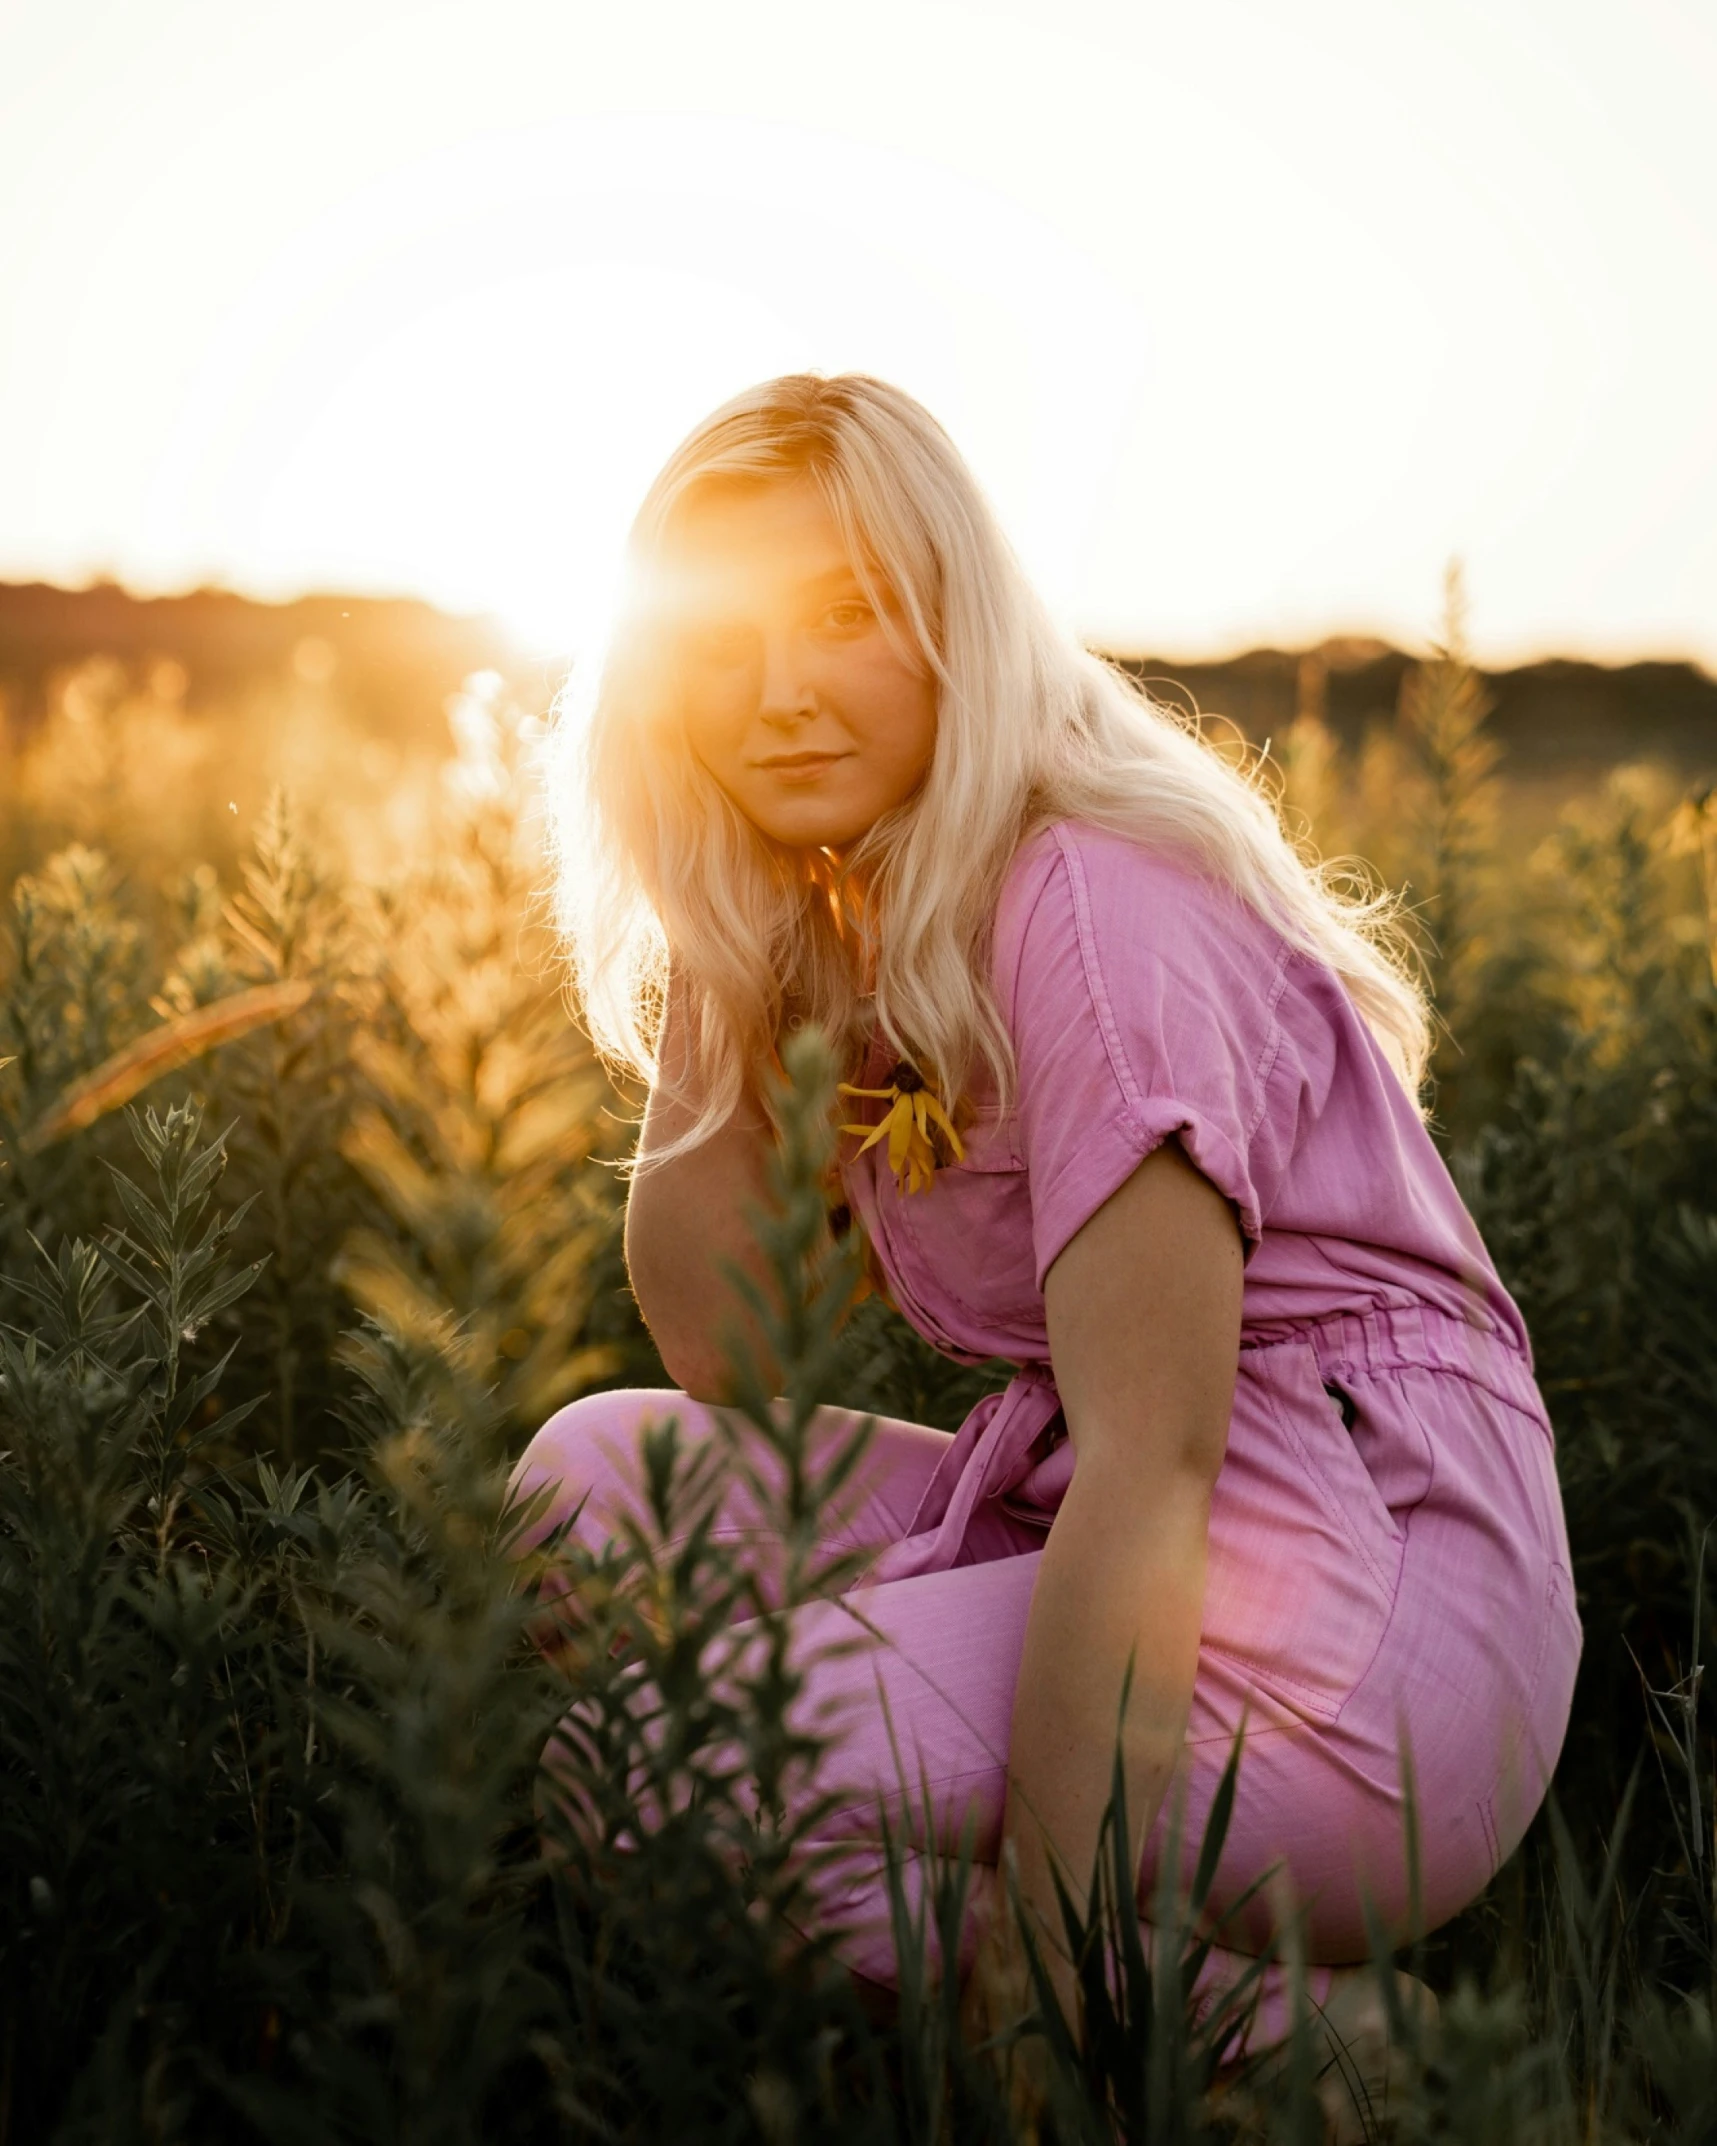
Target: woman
1274,1434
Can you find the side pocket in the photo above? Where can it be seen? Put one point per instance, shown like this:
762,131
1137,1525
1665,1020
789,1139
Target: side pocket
1317,1417
1305,1560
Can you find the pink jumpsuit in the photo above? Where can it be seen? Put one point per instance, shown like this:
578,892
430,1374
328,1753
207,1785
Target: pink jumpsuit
1388,1557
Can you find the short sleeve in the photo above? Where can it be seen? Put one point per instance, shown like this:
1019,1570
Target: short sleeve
1143,1006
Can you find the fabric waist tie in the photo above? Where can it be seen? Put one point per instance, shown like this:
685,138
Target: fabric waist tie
987,1453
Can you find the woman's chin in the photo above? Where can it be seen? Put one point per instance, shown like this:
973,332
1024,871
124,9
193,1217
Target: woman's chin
810,829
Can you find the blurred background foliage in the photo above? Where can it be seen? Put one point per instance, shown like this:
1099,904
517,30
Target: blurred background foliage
268,1714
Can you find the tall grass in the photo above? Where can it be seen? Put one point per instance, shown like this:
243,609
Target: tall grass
275,1318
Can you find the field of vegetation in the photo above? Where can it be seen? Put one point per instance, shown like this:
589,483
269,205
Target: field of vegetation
308,1220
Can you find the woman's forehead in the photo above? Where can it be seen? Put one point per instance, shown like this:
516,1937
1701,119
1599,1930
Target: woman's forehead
730,543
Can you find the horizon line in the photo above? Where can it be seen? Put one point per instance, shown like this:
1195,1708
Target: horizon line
1115,647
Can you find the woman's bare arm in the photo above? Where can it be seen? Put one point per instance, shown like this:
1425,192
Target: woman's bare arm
686,1217
1144,1330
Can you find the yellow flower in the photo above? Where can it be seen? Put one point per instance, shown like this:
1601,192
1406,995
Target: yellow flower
913,1109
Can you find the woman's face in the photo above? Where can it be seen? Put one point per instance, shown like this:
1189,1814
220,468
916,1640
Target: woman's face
795,698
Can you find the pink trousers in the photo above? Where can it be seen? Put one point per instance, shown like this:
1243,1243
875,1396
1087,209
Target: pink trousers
1469,1670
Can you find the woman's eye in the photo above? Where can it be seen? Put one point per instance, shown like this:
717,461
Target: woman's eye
847,615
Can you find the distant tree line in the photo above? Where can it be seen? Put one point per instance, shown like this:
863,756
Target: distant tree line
393,662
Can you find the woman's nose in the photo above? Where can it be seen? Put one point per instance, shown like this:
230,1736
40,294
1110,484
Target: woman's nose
785,691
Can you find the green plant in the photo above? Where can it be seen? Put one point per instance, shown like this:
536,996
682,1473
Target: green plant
272,1864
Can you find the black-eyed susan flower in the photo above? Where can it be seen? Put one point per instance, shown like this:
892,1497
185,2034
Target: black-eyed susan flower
914,1109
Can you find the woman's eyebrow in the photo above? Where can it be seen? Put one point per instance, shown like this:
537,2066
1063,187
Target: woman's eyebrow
837,577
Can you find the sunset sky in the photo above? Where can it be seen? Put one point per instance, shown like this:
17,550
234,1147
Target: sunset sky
1248,315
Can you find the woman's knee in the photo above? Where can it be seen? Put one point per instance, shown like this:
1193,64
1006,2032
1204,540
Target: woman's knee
586,1457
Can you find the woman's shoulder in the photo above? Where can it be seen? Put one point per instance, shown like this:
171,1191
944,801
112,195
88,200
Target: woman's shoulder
1107,934
1073,885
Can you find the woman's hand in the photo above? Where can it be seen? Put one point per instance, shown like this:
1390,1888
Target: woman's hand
1000,1993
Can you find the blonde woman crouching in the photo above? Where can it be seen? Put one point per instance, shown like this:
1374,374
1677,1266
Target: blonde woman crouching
1274,1432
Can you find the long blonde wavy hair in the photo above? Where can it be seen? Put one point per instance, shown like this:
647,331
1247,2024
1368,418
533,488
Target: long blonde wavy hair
658,872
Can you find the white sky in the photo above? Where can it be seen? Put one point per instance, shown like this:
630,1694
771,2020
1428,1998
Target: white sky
1247,314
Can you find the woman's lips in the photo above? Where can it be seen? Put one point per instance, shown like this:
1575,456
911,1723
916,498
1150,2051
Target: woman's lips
806,770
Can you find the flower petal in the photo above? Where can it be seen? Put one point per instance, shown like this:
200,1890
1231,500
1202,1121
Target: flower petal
947,1124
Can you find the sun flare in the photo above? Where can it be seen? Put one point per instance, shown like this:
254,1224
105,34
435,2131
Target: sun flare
1247,321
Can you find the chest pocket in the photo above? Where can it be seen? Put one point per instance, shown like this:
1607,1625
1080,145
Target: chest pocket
971,1227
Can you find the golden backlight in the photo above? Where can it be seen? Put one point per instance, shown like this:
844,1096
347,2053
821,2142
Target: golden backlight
1248,316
